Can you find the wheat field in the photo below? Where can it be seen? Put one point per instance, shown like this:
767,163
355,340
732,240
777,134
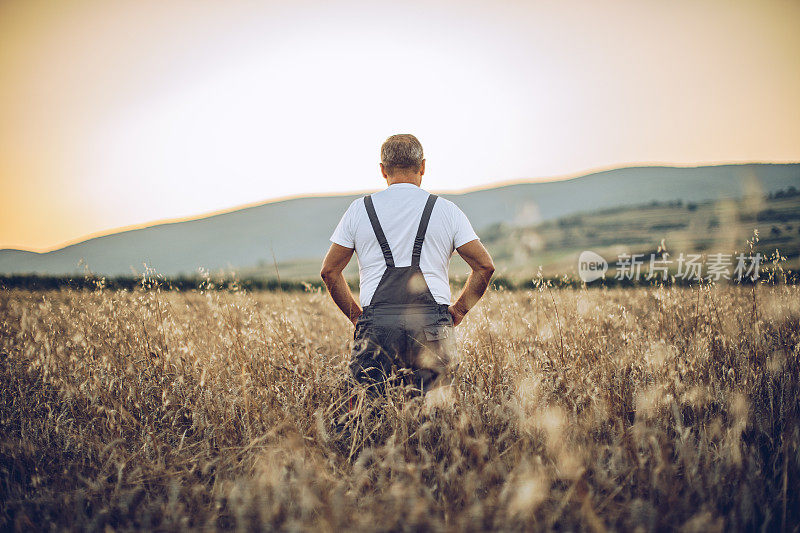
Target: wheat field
640,409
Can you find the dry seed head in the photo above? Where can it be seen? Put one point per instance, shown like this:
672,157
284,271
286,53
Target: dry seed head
552,420
648,402
528,494
776,361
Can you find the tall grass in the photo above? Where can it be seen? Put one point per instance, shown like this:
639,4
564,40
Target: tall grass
652,408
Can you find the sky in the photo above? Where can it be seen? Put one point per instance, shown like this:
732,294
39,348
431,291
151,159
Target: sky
118,114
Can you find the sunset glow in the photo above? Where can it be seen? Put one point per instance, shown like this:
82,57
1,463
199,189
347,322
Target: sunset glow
118,114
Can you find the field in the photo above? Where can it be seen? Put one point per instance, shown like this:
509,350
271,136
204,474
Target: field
644,409
701,227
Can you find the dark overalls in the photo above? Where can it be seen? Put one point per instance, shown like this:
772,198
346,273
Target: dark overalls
403,330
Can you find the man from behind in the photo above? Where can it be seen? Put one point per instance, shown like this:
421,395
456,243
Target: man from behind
404,238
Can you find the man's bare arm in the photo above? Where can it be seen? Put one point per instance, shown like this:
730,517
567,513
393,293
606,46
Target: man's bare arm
482,266
332,266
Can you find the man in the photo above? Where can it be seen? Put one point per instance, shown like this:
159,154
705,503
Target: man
404,237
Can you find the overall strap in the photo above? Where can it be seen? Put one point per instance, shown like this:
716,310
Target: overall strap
423,227
376,227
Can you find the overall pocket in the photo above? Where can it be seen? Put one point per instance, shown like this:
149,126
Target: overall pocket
437,346
437,332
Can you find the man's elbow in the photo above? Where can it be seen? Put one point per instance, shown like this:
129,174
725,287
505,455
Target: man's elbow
486,269
327,274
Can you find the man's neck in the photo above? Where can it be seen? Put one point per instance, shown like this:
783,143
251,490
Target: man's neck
414,180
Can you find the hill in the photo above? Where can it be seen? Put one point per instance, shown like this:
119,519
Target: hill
709,227
295,232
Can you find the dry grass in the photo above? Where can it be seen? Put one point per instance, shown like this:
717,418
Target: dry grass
618,409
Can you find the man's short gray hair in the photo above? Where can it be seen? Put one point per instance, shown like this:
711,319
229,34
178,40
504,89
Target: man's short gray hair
401,152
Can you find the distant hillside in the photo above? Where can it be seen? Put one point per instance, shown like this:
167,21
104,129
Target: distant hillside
684,227
297,230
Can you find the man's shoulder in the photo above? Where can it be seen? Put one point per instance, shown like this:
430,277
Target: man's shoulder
448,205
445,202
355,204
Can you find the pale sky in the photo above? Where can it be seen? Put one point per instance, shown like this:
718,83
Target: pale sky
121,113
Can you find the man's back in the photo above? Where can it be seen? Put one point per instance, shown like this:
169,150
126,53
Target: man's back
404,237
399,208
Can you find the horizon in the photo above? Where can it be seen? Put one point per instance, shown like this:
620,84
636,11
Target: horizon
328,194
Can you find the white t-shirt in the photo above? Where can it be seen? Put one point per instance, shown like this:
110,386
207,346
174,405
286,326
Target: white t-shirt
399,208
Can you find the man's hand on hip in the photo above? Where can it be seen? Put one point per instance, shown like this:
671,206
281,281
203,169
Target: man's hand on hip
354,318
458,316
337,258
482,266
